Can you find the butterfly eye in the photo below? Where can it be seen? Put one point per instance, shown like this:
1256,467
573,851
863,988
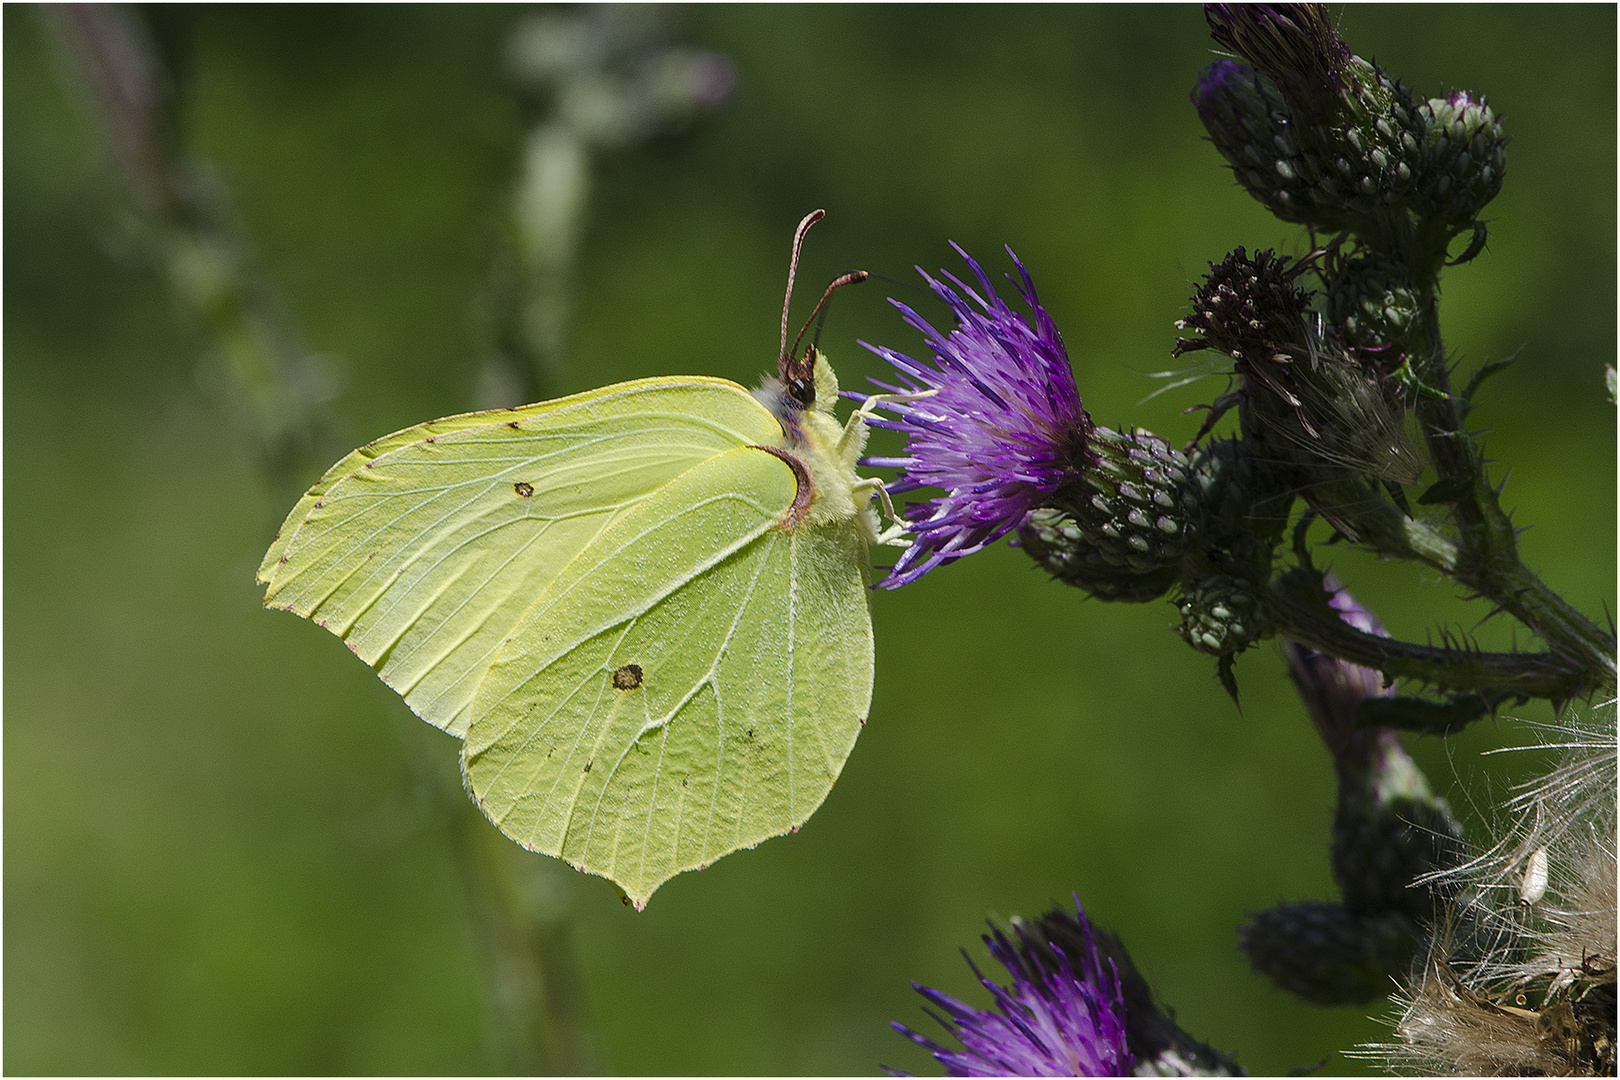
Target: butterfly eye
802,391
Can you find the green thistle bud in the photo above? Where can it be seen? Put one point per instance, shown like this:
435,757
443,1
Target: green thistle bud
1058,542
1122,527
1136,501
1355,135
1372,301
1233,488
1221,615
1371,149
1247,120
1327,955
1465,157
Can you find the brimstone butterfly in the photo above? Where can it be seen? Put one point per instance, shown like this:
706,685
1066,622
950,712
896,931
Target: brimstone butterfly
642,608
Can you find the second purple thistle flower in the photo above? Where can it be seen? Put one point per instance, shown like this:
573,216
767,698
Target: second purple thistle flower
1000,428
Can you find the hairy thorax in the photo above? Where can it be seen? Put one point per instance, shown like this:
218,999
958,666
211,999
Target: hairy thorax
827,451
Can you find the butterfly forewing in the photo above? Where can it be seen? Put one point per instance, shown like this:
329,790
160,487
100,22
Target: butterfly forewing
425,549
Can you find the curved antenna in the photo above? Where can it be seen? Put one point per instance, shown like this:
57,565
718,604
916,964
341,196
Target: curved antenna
793,268
854,277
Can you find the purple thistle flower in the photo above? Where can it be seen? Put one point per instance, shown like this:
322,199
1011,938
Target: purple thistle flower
1062,1015
1004,428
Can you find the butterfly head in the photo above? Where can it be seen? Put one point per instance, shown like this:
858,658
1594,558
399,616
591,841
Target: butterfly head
811,387
810,383
807,382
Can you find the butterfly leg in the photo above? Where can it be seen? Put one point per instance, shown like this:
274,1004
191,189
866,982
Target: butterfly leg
853,431
849,447
895,534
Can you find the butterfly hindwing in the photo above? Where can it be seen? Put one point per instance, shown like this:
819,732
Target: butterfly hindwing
692,685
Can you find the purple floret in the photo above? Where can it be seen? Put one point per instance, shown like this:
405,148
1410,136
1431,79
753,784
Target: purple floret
1061,1016
1004,429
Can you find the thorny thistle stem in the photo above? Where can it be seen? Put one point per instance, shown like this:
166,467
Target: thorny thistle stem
1298,606
1489,552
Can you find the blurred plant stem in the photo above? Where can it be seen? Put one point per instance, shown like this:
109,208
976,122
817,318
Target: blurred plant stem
598,80
187,223
520,906
522,910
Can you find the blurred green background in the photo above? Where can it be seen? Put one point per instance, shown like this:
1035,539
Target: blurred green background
229,848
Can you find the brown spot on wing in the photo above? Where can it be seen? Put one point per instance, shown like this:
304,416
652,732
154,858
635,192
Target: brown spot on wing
523,488
627,677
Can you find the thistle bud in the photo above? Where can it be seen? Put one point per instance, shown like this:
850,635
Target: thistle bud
1372,147
1120,529
1355,133
1465,157
1058,542
1247,120
1221,615
1235,488
1372,301
1303,396
1327,955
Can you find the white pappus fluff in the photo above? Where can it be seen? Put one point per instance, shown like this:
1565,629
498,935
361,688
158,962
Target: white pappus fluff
1520,977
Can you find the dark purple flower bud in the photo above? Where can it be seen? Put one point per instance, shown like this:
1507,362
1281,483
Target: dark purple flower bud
1248,122
1332,688
1293,43
1062,1015
1248,308
1390,830
1217,86
1001,427
1326,953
